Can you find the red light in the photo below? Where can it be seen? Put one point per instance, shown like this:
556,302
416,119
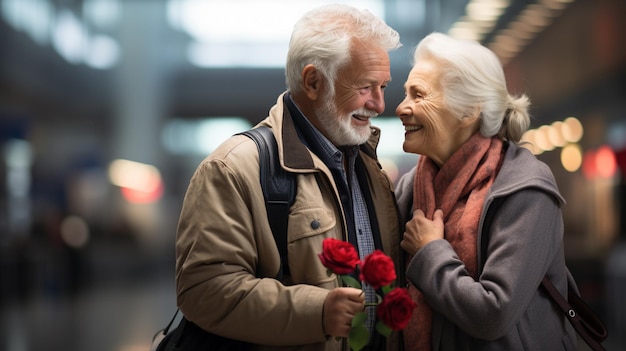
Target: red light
590,170
621,161
142,197
606,164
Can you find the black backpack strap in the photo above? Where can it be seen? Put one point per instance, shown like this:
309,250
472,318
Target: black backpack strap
279,189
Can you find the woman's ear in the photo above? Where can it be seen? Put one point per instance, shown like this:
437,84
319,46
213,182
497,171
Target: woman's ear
312,81
472,120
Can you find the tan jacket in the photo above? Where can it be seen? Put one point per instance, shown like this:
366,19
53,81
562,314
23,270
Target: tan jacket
226,256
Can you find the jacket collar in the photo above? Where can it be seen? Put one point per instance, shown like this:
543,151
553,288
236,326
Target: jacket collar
295,153
537,174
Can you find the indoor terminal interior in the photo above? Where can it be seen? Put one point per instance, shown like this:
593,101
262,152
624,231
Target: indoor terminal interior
108,106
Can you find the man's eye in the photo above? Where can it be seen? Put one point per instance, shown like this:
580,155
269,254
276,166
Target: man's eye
365,90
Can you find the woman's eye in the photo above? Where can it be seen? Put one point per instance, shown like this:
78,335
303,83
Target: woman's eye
418,95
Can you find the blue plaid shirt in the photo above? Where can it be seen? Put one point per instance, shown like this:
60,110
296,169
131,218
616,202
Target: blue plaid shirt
352,197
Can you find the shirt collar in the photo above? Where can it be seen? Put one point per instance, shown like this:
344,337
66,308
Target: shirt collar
314,139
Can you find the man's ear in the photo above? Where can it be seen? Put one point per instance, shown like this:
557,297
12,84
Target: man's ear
313,82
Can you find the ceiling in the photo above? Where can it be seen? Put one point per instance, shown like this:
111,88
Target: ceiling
36,81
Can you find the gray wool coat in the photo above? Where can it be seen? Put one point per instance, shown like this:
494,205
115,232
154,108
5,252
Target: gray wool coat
504,309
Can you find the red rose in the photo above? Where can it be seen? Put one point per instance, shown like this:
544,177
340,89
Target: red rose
396,309
340,257
378,270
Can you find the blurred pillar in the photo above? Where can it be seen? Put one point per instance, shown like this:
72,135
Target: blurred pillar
139,89
18,160
139,85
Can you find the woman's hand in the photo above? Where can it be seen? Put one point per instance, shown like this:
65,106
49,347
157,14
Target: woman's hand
421,230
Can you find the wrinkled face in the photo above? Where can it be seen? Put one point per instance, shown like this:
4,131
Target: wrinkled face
430,128
358,97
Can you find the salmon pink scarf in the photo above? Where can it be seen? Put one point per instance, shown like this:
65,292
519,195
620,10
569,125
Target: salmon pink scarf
459,188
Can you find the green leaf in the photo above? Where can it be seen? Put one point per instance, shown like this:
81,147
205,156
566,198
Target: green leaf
358,336
383,329
350,281
359,319
387,289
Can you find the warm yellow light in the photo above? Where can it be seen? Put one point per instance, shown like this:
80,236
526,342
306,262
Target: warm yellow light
529,141
542,140
555,134
134,175
555,4
522,29
571,157
529,136
481,11
465,30
507,43
572,130
536,15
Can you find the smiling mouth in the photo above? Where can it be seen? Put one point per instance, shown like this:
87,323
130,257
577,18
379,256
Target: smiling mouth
412,128
361,117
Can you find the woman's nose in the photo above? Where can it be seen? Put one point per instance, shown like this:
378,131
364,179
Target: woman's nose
402,110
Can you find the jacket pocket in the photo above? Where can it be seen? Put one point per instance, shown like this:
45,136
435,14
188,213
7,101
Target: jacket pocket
308,227
309,221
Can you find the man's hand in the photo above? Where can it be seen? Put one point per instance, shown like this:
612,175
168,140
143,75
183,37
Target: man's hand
421,230
340,306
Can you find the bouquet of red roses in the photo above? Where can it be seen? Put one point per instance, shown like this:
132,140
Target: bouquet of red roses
393,309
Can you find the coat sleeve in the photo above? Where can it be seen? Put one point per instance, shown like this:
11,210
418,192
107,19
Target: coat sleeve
219,248
525,237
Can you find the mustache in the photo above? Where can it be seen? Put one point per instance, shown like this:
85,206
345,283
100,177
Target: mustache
364,112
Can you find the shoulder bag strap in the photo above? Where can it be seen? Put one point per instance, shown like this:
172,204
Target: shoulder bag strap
590,325
585,330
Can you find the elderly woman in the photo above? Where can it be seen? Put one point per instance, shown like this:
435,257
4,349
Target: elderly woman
483,217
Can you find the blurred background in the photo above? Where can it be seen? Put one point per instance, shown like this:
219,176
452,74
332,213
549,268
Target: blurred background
107,107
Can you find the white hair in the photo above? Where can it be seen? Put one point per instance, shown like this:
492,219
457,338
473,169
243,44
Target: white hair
322,37
472,79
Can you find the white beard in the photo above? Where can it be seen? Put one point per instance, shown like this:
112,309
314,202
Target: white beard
339,129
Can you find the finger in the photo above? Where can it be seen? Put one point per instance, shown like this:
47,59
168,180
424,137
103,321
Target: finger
358,296
357,309
438,215
418,212
354,307
408,248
